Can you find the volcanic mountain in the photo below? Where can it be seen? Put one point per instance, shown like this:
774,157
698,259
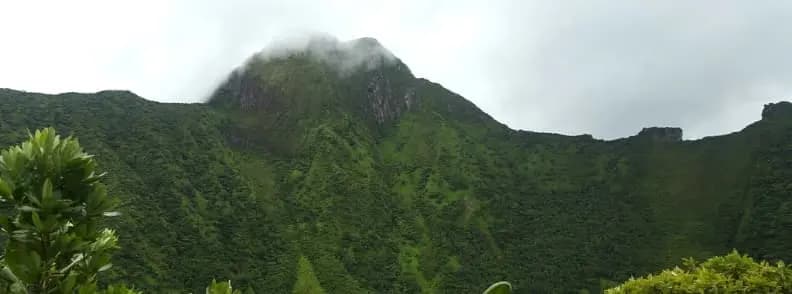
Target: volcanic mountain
329,165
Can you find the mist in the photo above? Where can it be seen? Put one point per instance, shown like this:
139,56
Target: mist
344,57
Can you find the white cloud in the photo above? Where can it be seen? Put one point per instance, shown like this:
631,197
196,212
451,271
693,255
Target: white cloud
607,68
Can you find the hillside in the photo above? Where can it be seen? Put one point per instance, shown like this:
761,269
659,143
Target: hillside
335,165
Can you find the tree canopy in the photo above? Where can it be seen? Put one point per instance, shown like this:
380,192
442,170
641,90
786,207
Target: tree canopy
54,203
732,273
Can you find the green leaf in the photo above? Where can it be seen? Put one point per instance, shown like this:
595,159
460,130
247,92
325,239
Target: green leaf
5,223
89,288
5,190
37,221
47,200
7,275
68,284
26,208
18,288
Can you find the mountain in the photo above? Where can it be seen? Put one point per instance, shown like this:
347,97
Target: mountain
332,166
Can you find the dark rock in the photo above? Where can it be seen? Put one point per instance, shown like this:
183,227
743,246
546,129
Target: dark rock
662,134
383,102
247,93
778,110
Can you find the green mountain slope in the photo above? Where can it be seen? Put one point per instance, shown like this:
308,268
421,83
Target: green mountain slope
314,170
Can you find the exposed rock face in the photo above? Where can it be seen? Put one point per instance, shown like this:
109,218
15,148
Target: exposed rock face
780,110
663,134
384,102
247,93
387,99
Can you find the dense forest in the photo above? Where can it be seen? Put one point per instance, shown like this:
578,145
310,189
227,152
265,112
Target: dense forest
372,180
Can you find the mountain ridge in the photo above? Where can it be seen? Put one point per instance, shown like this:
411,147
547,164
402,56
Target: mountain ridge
293,166
772,107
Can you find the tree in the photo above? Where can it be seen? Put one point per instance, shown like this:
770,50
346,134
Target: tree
307,282
733,273
221,288
53,203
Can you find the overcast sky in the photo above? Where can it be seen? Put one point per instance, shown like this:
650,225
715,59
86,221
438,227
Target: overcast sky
606,68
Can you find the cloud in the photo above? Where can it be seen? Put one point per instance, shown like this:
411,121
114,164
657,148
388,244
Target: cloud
612,68
607,68
344,57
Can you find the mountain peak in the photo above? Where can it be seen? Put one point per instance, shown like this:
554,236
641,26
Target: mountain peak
305,81
367,42
345,57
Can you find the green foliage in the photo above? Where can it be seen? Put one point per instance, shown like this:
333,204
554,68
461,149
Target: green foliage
307,283
733,273
221,288
120,289
391,184
55,202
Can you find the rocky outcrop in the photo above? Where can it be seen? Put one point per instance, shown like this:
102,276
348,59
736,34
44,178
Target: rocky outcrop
384,102
662,134
246,92
780,110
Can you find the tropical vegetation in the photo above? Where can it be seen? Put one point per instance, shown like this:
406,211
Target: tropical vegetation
294,176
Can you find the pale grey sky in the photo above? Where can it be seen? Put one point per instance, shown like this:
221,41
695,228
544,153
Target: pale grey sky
606,68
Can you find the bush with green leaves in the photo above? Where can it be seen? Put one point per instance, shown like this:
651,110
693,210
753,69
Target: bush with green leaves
53,204
733,273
